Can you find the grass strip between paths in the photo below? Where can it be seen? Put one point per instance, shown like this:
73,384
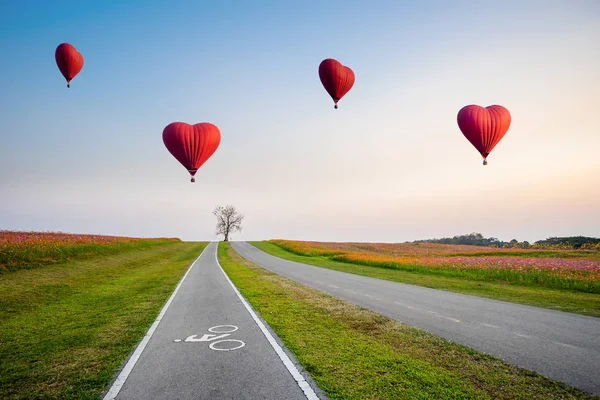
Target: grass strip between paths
65,329
352,353
555,299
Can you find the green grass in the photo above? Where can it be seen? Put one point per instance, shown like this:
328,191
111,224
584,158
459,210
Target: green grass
65,329
352,353
561,300
40,249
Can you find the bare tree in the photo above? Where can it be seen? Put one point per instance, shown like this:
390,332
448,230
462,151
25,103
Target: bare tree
228,220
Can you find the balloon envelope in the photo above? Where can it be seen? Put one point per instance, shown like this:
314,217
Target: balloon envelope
68,60
336,78
191,145
484,127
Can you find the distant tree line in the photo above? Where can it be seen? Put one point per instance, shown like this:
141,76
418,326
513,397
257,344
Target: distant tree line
576,242
477,239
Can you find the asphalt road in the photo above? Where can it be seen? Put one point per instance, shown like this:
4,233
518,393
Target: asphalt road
559,345
180,362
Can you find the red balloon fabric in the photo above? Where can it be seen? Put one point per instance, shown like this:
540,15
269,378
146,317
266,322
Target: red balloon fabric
69,61
191,145
484,127
336,78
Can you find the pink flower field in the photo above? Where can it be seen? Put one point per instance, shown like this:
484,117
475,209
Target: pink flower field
565,269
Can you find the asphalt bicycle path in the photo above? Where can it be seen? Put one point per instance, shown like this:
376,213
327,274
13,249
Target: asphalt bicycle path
559,345
206,344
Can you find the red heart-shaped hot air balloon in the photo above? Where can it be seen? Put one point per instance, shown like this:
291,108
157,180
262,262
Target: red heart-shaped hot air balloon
191,145
484,127
336,78
69,61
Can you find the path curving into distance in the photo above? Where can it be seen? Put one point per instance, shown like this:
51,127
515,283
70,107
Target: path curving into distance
207,343
559,345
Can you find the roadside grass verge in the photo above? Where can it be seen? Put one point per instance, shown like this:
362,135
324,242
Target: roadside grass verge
555,299
65,329
352,353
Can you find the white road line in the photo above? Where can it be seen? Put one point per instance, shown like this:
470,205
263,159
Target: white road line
490,326
451,319
567,345
308,391
436,314
369,296
377,298
120,381
333,286
522,335
350,291
405,305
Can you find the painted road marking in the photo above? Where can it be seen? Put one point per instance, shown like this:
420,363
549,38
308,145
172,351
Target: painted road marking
567,345
213,345
218,332
308,391
205,338
490,326
220,329
436,314
405,305
521,335
120,381
451,319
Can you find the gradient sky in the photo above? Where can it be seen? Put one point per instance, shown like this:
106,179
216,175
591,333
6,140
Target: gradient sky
389,165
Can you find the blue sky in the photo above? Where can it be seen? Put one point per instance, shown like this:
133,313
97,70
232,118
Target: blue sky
389,165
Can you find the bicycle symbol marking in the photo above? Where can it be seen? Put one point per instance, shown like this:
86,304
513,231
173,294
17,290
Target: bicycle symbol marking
213,347
214,329
216,336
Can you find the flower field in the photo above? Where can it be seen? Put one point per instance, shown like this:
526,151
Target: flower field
577,270
31,249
